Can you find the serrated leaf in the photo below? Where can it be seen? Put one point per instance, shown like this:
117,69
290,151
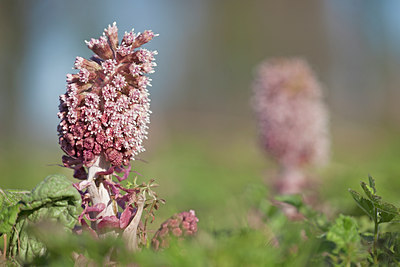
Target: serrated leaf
372,183
369,191
387,212
388,207
365,204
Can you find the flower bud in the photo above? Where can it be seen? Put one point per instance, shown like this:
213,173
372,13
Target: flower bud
181,224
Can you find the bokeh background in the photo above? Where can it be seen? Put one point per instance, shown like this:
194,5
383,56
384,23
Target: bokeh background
202,147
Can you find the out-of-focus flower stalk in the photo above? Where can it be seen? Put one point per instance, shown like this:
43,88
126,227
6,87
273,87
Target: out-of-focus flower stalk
293,119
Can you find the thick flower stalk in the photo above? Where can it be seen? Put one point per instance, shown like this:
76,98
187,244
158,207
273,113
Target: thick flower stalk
293,119
179,225
104,120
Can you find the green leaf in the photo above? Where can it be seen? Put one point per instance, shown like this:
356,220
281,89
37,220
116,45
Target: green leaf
344,233
9,208
294,200
11,197
55,200
387,212
374,206
365,204
369,191
372,183
8,217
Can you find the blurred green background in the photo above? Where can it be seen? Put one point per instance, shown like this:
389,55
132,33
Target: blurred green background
203,148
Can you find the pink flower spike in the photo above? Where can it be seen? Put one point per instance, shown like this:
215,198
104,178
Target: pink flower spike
104,119
292,117
293,120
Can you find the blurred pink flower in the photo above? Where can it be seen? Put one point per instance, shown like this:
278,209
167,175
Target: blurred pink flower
292,117
180,224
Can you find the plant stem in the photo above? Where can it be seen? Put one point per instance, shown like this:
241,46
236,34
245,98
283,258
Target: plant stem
291,180
375,236
98,193
130,232
5,246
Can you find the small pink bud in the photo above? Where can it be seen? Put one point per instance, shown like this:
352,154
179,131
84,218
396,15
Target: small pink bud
119,81
129,38
114,157
182,223
112,34
100,47
88,143
143,38
109,66
88,156
135,69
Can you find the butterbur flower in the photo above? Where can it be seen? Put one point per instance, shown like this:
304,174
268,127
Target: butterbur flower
292,117
179,225
107,101
104,116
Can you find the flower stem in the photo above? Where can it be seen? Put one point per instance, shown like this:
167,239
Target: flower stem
98,193
5,246
376,229
130,232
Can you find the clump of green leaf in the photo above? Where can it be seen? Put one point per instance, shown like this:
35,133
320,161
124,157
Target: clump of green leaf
378,211
344,234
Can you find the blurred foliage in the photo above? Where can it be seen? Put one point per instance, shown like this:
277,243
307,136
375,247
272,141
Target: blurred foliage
312,240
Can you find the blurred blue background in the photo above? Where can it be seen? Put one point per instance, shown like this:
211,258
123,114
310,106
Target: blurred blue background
203,134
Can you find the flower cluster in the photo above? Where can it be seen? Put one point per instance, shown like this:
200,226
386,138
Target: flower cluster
181,224
292,117
105,110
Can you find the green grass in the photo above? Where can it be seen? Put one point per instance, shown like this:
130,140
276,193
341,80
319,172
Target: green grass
211,174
